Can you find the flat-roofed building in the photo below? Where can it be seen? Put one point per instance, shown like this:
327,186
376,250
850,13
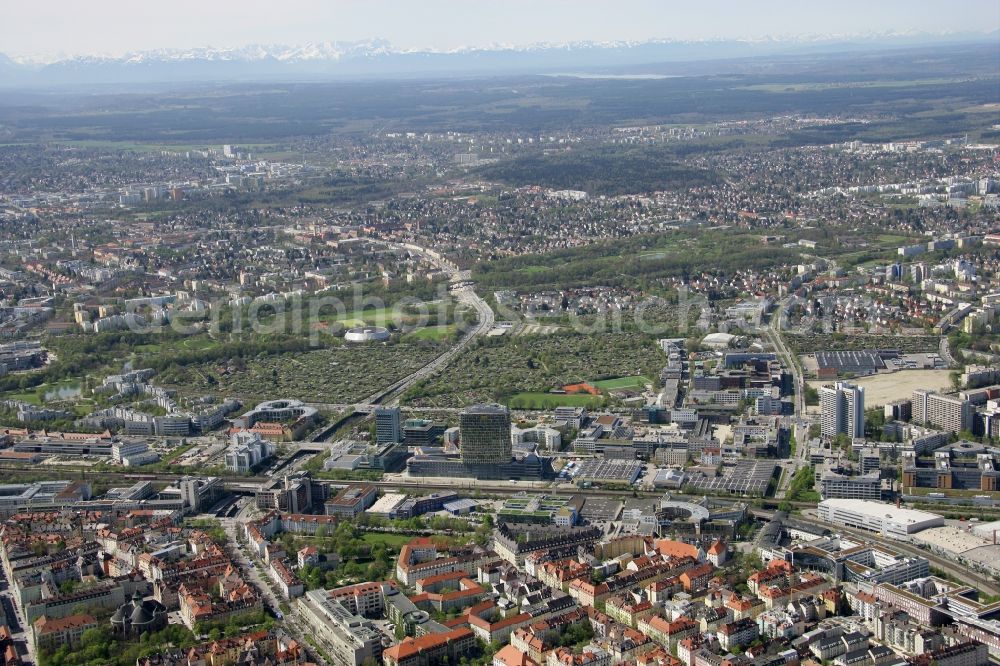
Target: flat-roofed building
351,501
865,487
886,519
842,407
387,425
485,435
941,411
351,638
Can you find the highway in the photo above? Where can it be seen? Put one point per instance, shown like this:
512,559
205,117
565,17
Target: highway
773,333
799,423
945,352
465,294
389,395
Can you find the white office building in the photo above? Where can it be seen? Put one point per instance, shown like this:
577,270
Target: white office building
246,451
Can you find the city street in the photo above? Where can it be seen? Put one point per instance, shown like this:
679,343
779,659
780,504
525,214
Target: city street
272,601
18,631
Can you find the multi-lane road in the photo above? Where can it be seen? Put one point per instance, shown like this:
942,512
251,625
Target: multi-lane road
466,294
798,421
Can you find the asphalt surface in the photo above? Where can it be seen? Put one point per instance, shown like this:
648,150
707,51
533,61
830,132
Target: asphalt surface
466,295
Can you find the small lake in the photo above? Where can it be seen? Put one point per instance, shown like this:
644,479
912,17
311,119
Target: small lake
63,393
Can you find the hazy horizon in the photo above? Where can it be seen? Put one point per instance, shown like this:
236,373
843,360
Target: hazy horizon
47,30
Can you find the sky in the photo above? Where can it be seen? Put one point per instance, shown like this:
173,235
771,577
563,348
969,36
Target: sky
112,27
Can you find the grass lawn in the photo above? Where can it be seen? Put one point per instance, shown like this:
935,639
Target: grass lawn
430,333
199,343
552,400
634,381
394,541
373,316
378,316
30,397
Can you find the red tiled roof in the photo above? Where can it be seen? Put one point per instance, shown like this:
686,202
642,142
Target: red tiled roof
44,625
413,646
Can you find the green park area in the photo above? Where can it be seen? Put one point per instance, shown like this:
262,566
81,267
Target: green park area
523,371
388,540
435,333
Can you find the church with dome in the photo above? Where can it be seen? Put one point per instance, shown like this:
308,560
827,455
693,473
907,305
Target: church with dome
138,616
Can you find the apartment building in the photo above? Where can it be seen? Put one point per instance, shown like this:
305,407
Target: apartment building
941,411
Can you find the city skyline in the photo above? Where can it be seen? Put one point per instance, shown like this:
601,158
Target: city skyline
566,333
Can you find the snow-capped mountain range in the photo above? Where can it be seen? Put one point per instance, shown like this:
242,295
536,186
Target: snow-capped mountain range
378,58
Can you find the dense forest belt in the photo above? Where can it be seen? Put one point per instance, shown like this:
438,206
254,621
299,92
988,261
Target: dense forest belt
604,172
631,261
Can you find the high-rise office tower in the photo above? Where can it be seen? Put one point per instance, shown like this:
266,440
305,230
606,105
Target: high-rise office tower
485,435
387,427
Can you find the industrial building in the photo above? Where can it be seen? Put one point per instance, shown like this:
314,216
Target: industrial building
529,467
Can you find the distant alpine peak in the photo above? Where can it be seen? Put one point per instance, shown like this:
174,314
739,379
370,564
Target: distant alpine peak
373,48
248,53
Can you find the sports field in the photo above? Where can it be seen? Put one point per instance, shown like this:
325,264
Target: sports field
631,382
431,333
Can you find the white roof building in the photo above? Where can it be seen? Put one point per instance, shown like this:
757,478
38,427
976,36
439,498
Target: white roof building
886,519
718,340
387,504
